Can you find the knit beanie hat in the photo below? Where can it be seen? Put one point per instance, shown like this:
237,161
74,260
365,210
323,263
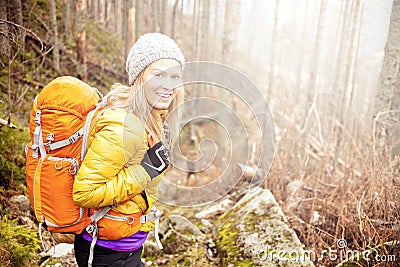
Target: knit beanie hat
149,48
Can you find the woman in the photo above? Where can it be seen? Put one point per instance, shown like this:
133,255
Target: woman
126,158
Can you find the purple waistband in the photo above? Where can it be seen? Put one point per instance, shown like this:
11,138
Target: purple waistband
126,244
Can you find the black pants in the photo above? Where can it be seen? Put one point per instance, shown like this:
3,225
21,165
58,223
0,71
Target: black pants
104,256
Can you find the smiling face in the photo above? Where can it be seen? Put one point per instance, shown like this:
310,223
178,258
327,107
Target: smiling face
161,79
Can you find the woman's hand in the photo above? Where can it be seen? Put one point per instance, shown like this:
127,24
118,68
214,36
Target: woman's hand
155,160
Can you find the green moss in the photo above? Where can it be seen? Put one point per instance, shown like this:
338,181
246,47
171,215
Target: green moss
194,256
170,238
226,239
12,156
17,242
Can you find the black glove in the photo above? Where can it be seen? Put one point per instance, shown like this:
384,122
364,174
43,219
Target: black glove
155,160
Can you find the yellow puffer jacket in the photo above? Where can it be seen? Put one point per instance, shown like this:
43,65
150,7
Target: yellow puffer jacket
111,172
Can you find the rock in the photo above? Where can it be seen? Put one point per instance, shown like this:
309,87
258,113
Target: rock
150,248
59,250
59,255
22,204
216,209
183,225
176,234
254,232
206,223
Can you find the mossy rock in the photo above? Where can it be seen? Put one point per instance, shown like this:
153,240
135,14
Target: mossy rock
254,233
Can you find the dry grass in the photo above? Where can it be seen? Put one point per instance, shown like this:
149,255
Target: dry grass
331,194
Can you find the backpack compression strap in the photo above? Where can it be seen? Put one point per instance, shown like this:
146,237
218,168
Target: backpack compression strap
38,145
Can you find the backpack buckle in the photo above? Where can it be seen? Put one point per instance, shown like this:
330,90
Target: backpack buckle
50,137
90,228
37,117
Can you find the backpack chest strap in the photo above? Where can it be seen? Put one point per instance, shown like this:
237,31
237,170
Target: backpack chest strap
70,140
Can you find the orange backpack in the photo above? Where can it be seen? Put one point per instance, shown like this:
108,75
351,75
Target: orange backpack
59,125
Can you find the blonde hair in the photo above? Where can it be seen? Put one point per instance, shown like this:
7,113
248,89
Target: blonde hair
132,99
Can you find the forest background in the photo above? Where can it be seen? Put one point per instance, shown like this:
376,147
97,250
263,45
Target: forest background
329,71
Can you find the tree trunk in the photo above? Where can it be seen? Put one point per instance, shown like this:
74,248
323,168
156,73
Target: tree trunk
94,8
110,22
66,13
271,85
387,102
355,113
155,6
148,22
317,51
126,5
130,28
216,52
139,18
102,11
174,18
195,30
312,86
331,105
339,85
4,41
81,67
228,41
17,6
118,17
162,16
302,52
205,30
56,52
349,62
229,30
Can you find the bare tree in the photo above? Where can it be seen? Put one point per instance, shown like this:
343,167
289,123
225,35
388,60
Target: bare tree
339,85
387,102
345,101
300,62
56,52
228,41
66,13
216,53
139,18
110,21
273,51
155,6
229,29
118,17
312,88
162,16
195,30
205,29
102,11
130,28
17,6
174,17
81,67
126,5
351,108
4,41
